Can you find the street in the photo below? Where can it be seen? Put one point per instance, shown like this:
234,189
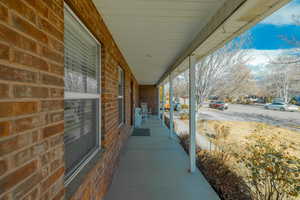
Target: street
256,113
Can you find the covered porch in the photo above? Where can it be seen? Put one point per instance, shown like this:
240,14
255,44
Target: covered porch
160,41
156,167
73,72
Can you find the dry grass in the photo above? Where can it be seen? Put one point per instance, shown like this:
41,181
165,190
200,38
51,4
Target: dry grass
236,134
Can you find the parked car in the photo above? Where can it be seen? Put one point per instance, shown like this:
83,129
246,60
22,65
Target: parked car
221,105
281,106
177,106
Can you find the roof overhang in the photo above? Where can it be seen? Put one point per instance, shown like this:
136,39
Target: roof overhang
156,37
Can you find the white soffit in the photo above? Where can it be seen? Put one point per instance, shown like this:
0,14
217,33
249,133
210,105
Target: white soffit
153,33
250,13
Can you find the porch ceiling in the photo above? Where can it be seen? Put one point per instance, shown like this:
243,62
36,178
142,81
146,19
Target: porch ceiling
152,33
156,36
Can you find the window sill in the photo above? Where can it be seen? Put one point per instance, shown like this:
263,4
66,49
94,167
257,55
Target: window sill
74,184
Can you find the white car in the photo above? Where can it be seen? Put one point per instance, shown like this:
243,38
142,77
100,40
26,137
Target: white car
281,106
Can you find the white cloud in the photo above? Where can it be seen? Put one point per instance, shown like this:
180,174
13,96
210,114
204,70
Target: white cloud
257,60
257,57
285,15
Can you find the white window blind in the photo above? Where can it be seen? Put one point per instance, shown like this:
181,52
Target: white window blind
82,95
121,99
81,58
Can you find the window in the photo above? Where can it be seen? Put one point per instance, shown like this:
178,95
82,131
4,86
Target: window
82,95
121,96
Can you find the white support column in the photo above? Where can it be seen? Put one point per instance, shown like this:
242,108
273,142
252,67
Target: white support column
158,101
171,102
163,105
192,112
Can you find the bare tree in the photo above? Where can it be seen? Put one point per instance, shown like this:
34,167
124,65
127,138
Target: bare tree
294,42
282,76
214,68
181,85
238,82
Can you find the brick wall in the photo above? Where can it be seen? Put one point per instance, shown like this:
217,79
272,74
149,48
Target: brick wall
31,100
149,94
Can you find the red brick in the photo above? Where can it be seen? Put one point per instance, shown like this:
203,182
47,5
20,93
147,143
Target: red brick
5,129
56,140
45,159
52,55
20,75
56,45
22,91
55,20
29,29
54,117
56,93
21,157
3,167
15,177
45,196
4,52
50,29
17,142
57,69
4,91
8,109
39,6
29,61
52,80
59,195
51,105
53,130
27,123
21,108
56,164
56,7
32,195
41,148
3,13
14,38
52,179
22,9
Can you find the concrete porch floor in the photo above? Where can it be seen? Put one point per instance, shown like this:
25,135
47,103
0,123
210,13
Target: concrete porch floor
156,168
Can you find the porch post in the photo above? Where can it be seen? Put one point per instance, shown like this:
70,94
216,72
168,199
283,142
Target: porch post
158,99
163,105
192,113
171,102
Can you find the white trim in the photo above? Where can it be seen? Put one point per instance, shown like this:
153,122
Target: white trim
171,102
77,95
192,113
163,105
121,97
81,166
158,99
80,22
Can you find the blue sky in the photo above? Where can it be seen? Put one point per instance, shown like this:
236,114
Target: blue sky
267,35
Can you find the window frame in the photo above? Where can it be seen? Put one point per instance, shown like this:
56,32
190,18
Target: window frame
81,96
121,70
